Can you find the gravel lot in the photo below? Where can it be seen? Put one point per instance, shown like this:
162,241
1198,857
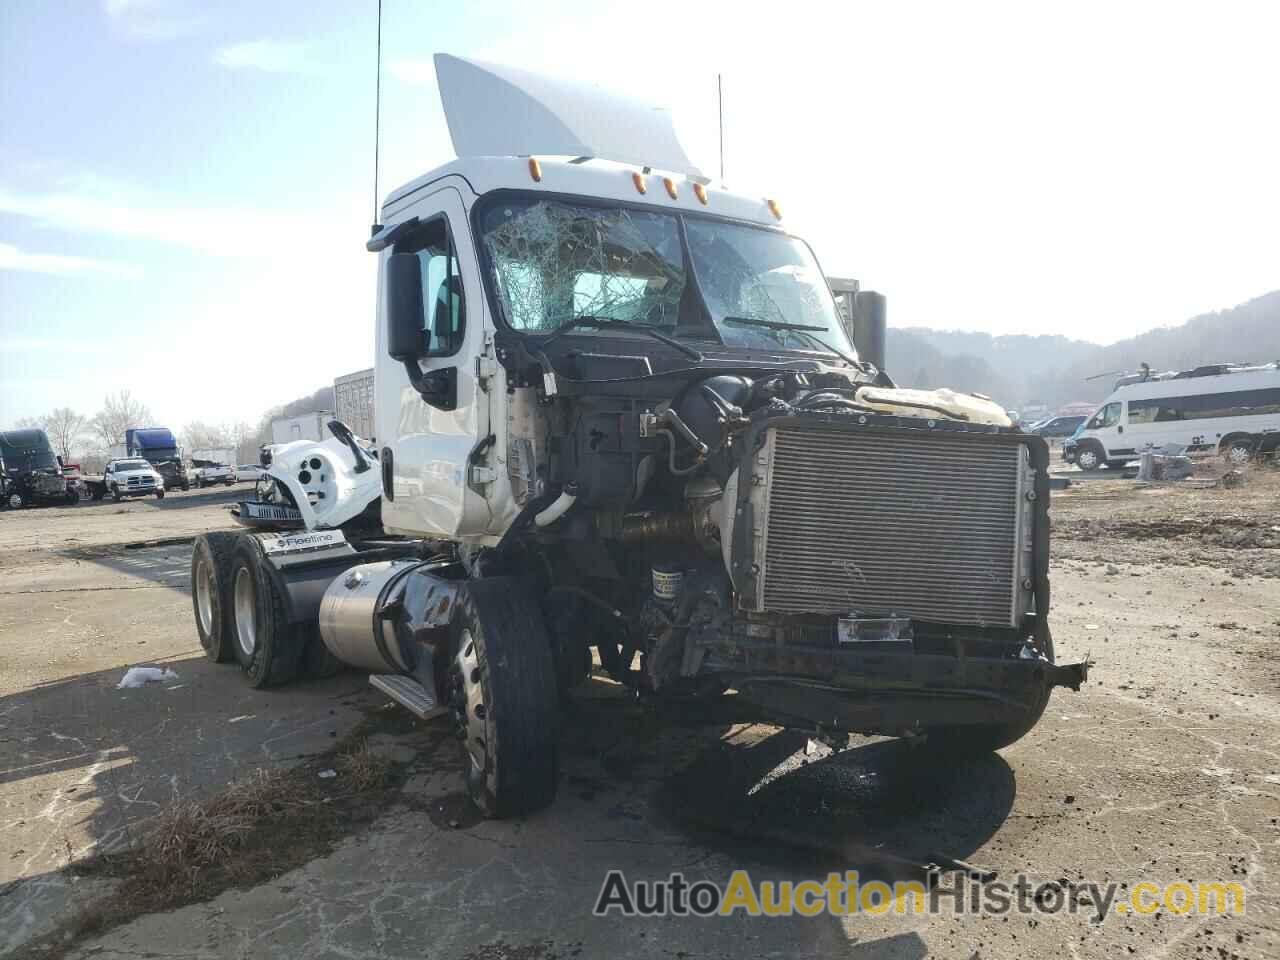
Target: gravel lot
1165,768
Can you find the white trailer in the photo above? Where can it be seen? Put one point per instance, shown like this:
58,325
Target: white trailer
353,402
308,426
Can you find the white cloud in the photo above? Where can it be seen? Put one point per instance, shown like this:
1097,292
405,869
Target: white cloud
270,56
11,258
238,232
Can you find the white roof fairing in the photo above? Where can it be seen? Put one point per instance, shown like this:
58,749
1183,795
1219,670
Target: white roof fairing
499,111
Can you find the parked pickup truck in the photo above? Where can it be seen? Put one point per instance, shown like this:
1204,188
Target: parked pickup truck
208,472
131,477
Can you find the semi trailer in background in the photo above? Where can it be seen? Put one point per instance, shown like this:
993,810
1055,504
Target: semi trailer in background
307,426
353,402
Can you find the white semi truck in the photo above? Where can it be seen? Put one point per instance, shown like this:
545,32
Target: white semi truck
619,421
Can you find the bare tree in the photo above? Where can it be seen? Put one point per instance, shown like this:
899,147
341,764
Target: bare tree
199,435
119,413
64,427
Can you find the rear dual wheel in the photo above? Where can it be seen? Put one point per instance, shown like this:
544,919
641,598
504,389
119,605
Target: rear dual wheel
267,647
210,588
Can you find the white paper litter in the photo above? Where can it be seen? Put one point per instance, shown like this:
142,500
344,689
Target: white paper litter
141,676
327,774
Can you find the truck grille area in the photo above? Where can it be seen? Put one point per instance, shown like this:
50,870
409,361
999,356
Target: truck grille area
935,527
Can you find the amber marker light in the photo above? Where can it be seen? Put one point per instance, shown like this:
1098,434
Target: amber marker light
638,180
671,187
775,209
535,169
700,192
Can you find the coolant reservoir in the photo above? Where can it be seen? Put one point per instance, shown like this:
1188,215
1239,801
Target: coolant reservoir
934,403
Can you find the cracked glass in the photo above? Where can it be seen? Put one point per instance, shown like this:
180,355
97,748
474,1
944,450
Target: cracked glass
554,262
756,274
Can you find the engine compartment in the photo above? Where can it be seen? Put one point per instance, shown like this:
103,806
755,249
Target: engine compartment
657,543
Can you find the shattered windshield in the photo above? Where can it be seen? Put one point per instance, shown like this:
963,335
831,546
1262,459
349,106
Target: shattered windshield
552,262
556,262
753,274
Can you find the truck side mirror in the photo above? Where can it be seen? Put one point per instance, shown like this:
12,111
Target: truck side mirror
406,339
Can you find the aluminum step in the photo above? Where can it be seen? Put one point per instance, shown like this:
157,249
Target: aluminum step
408,693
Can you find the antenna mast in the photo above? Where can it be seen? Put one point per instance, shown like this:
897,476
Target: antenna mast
377,116
720,107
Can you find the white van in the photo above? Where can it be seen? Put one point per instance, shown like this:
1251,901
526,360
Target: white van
1229,409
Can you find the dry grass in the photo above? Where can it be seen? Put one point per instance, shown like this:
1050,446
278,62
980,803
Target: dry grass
257,828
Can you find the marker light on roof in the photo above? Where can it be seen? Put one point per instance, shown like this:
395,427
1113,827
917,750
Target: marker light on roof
535,169
638,180
700,192
671,187
775,209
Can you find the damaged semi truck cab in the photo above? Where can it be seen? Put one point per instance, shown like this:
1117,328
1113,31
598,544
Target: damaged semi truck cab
620,422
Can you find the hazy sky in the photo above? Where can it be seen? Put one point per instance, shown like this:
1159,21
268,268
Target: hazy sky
185,187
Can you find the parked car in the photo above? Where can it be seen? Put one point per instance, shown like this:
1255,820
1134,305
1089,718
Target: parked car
248,472
1057,427
1218,408
130,477
208,472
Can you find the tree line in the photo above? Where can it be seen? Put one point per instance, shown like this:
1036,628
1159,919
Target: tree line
87,438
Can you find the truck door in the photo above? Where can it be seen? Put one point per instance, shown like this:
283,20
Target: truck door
431,415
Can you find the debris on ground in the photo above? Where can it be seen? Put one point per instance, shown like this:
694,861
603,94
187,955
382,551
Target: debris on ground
140,676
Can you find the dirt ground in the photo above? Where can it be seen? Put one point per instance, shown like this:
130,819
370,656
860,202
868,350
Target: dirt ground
1165,768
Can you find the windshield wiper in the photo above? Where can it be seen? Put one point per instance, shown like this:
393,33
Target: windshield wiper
804,329
609,323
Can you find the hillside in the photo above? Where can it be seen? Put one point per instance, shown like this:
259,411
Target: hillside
1018,370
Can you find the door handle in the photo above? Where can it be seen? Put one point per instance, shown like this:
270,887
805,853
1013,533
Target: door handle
1119,429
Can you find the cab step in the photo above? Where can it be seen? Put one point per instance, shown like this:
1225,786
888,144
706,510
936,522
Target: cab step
409,693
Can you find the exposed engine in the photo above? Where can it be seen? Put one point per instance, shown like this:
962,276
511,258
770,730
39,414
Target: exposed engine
768,511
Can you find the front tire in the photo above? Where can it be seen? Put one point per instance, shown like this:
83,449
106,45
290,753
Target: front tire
15,501
211,594
502,694
1089,457
1238,453
159,494
115,494
265,643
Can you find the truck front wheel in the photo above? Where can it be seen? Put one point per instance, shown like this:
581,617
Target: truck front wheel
116,495
502,696
266,644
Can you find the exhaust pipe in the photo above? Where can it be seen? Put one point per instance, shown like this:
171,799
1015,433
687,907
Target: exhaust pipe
869,323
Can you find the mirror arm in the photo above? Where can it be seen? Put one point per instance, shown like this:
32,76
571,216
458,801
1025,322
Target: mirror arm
439,388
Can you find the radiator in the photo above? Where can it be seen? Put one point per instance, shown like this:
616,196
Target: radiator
932,525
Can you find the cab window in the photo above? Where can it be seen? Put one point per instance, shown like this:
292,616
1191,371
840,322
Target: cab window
443,301
1108,416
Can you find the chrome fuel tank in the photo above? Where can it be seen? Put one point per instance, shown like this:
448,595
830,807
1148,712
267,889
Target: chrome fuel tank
351,624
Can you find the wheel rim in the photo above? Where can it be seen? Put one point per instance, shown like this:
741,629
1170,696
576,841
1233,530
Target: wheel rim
246,627
1086,459
204,595
15,501
1238,455
468,700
